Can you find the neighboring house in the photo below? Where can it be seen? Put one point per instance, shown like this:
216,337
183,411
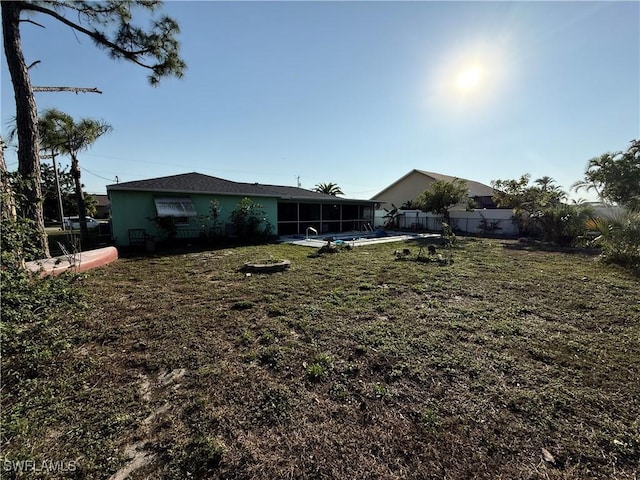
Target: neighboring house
417,181
188,198
102,209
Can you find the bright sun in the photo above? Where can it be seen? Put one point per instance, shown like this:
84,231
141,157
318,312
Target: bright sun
469,78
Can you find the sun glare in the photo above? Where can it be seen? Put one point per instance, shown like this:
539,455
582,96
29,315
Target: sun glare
465,81
469,78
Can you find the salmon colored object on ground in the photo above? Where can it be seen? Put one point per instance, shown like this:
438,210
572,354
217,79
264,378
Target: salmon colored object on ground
77,263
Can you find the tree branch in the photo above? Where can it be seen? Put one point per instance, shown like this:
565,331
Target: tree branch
26,20
75,90
98,37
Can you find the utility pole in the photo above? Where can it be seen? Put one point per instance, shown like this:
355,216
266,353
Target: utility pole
55,172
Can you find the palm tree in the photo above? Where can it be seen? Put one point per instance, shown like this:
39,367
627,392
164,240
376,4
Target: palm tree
546,183
615,176
328,188
619,237
59,132
552,194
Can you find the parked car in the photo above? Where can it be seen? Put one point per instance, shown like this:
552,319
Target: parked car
73,223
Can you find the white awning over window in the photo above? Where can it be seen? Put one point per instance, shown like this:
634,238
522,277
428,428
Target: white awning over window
175,207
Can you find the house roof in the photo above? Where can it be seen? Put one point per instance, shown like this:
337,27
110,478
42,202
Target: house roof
101,199
476,189
199,183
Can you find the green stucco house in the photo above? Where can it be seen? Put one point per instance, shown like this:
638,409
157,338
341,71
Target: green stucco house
197,204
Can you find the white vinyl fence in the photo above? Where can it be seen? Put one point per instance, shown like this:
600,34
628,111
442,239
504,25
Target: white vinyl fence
497,221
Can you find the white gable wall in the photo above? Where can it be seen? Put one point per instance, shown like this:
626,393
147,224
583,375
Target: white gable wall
406,189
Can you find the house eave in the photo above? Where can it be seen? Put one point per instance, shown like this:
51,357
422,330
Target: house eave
186,192
291,198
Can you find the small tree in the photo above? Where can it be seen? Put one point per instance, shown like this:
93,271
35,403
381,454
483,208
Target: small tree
247,218
391,217
529,202
443,195
449,239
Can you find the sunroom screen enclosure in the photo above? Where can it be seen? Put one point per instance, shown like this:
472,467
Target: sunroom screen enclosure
295,217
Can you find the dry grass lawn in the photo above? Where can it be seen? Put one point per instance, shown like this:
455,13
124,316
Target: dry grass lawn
511,363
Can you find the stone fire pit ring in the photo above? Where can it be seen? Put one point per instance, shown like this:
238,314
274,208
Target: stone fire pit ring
266,266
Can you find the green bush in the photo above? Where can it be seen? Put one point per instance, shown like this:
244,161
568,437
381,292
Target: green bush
247,219
619,238
563,223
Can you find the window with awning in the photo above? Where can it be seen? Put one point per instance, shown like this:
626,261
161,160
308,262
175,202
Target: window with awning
175,207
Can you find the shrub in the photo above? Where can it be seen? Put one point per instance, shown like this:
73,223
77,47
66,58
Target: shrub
619,238
247,218
562,224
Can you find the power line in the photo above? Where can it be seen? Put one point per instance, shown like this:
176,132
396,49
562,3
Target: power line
96,175
202,169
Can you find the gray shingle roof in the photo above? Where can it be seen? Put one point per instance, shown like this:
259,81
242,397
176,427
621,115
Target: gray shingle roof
199,183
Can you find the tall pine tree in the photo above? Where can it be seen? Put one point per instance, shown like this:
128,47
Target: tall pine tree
110,25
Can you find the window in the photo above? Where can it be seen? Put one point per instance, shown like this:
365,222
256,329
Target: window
179,208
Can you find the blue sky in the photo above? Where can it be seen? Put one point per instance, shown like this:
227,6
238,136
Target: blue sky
357,93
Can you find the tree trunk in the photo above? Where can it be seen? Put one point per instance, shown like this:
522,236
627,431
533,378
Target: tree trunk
26,121
82,211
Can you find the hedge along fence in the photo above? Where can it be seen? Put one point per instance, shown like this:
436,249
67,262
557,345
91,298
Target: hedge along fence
494,221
